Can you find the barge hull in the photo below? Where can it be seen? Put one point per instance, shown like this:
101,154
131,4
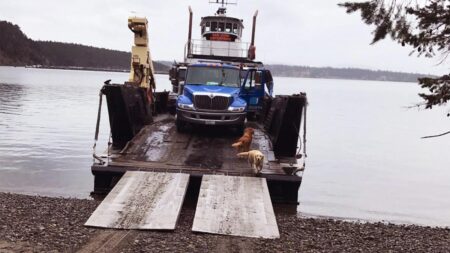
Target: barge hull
283,189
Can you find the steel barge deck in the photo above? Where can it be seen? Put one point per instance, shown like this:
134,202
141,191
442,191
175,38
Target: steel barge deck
159,147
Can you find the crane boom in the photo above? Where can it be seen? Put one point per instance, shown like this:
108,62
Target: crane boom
141,71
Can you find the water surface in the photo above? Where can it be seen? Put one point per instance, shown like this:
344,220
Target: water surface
365,156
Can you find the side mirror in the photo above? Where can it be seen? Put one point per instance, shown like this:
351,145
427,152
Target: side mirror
268,76
180,88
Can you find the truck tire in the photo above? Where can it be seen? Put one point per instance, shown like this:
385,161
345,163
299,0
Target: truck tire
251,116
240,129
181,126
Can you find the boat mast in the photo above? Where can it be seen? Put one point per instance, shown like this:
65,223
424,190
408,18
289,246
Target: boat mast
222,10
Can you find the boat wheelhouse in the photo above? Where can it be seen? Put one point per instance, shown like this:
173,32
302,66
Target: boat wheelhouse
221,38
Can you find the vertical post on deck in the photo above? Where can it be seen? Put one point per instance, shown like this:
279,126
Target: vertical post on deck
254,29
189,46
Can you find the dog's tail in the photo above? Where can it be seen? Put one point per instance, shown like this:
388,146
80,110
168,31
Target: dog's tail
237,144
243,154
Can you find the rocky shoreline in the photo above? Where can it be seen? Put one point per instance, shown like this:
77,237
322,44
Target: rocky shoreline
43,224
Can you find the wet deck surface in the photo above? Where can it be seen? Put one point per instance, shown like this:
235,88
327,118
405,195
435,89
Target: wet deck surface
203,149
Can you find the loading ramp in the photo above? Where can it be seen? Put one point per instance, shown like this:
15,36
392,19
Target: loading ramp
228,205
142,200
232,205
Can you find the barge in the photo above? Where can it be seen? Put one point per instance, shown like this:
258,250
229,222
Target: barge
155,131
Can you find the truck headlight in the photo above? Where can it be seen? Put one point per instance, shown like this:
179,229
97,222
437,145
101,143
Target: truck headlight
236,109
186,106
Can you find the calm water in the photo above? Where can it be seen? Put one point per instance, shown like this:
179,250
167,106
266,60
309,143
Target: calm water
365,156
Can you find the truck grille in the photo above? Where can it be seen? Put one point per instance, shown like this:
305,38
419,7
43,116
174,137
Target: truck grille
215,103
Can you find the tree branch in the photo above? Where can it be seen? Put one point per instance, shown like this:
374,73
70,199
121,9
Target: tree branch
433,136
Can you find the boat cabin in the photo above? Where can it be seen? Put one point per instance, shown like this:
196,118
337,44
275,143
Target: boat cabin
221,28
220,39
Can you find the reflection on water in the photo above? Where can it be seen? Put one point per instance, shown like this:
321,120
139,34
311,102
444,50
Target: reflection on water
365,156
11,99
46,127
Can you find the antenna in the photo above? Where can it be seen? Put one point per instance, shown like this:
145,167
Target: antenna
223,10
223,2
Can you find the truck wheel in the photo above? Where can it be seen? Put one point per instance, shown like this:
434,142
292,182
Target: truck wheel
240,129
181,126
251,116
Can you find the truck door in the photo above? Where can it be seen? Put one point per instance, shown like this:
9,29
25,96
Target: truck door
252,90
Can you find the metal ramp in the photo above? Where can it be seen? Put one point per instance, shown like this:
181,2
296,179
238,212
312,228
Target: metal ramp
142,200
231,205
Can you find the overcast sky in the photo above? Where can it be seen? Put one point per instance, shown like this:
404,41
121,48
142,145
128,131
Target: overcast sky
297,32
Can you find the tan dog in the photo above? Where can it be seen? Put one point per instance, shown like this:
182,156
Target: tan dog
255,159
243,144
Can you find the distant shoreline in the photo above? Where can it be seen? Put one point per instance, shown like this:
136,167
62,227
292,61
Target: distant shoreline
166,73
87,69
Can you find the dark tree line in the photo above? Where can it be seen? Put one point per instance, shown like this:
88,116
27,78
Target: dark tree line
65,55
342,73
15,47
422,25
18,50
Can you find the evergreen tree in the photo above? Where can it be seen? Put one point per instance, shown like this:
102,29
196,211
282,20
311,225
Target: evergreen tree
424,25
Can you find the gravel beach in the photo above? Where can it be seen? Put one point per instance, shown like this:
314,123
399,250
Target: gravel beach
43,224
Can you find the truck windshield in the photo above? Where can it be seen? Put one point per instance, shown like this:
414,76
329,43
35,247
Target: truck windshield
213,76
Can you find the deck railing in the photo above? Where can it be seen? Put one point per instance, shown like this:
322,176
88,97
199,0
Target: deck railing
217,48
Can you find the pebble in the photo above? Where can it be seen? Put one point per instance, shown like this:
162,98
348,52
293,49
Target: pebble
46,224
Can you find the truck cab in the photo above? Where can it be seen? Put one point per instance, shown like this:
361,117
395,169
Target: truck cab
221,94
211,96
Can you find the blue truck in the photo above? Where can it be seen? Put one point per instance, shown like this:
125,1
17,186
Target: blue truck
222,94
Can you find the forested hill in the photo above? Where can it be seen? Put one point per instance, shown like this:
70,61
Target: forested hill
342,73
16,49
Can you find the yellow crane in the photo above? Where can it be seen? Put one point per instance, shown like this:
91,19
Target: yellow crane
141,71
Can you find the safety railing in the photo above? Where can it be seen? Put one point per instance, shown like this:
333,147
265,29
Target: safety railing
217,48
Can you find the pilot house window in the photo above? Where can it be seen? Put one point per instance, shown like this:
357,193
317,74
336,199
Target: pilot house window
213,26
221,27
235,28
228,27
